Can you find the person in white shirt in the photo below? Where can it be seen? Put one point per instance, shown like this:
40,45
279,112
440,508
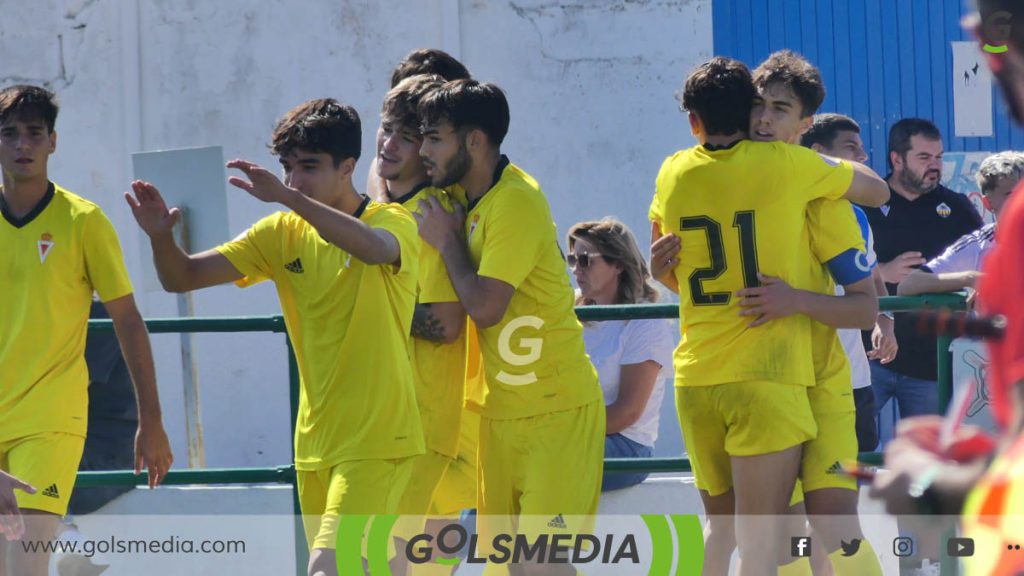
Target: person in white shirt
959,267
633,357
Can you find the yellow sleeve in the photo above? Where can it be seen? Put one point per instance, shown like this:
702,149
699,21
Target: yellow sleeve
811,176
656,213
515,230
104,263
400,223
433,281
254,251
833,228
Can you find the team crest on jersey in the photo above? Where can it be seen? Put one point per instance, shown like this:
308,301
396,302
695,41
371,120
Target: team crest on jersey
943,210
472,225
45,246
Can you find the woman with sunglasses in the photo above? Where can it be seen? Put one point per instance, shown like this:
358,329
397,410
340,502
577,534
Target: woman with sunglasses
632,357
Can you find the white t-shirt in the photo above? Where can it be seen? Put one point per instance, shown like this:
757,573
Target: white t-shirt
613,343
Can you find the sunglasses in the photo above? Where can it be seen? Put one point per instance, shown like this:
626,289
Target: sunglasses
582,259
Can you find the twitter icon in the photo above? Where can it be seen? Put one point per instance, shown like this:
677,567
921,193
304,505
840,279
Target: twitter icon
849,549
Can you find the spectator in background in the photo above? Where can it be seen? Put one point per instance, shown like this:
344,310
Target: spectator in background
920,220
839,136
632,357
959,267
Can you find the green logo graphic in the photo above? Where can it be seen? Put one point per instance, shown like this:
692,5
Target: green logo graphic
676,546
997,29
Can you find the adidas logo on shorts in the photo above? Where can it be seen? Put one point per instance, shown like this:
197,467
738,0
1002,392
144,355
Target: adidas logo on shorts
835,468
294,266
557,522
52,491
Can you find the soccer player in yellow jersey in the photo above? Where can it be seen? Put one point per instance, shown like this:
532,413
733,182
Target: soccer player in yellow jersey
58,248
439,341
345,271
790,90
738,224
541,408
415,63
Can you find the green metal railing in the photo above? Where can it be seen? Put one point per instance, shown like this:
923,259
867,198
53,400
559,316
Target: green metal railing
286,474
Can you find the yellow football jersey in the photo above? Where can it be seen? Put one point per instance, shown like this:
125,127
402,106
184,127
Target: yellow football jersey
52,261
738,211
439,370
534,359
833,229
349,324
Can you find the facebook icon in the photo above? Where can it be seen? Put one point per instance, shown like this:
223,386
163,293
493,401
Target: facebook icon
800,546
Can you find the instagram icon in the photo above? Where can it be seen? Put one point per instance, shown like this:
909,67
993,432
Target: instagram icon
903,546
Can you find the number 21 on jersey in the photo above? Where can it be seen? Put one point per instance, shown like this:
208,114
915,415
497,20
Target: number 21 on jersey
743,222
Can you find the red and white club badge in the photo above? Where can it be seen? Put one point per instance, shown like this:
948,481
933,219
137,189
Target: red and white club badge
45,245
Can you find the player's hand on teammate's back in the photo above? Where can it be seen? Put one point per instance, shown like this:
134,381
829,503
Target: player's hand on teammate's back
895,270
883,341
262,184
437,226
150,210
772,299
664,256
11,524
153,452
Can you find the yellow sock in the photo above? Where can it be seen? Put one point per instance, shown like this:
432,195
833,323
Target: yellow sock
798,567
863,563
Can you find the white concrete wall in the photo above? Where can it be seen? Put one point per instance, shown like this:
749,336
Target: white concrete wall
590,86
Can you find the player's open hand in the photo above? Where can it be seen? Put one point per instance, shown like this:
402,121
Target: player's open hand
895,270
664,256
262,183
11,524
153,452
883,341
150,210
437,226
772,299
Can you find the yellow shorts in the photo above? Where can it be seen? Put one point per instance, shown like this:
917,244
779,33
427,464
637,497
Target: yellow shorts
457,489
427,470
739,419
543,470
49,462
354,487
834,411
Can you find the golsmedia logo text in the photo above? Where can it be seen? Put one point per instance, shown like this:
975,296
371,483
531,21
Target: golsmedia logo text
627,544
542,549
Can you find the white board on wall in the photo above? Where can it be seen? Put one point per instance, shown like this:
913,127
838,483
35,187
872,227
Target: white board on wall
972,91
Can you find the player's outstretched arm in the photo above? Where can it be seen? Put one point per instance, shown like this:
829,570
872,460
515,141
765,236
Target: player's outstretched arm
11,524
370,245
485,299
178,271
774,298
921,282
867,188
152,449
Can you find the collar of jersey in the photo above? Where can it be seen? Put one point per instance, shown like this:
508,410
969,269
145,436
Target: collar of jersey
409,195
717,147
24,221
503,163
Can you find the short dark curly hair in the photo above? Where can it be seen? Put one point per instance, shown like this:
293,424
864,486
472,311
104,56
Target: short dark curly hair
794,71
321,125
721,93
429,61
468,104
26,102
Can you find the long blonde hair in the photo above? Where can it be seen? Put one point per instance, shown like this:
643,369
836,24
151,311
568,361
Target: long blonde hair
616,244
